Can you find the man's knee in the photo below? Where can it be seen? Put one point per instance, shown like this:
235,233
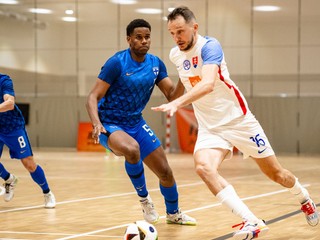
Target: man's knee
29,164
131,152
203,169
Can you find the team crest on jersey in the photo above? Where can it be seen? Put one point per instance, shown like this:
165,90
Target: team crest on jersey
195,61
186,64
155,70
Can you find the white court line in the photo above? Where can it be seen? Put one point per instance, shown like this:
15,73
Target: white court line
191,210
51,234
26,176
93,232
245,198
112,196
134,193
93,198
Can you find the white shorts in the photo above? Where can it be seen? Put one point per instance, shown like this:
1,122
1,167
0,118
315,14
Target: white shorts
245,133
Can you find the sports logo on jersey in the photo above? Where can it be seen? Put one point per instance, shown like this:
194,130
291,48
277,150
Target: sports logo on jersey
194,80
186,64
155,70
195,61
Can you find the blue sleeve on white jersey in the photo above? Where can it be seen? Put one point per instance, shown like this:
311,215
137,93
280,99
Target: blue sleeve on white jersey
162,71
111,70
211,52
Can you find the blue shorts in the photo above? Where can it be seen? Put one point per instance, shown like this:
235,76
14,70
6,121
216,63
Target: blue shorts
17,142
142,133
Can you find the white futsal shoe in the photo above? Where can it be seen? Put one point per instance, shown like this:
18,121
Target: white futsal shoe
250,230
9,187
49,200
310,211
181,218
149,213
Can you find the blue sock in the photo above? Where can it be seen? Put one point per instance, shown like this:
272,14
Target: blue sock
4,174
171,198
136,174
39,177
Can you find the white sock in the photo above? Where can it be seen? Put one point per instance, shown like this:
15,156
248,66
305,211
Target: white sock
300,192
229,198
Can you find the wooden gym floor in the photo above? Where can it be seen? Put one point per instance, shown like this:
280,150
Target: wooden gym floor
95,199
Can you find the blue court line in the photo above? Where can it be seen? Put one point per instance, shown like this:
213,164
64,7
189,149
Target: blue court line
277,219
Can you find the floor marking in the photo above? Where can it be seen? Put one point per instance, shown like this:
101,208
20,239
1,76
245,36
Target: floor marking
51,234
109,196
72,236
277,219
191,210
93,232
93,198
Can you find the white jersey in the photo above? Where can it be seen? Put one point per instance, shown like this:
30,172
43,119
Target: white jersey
225,102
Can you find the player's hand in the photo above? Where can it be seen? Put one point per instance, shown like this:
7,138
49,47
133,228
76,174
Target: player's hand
169,108
97,130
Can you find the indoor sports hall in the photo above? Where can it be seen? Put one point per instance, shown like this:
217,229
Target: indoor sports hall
54,50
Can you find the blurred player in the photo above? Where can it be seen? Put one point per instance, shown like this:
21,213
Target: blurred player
14,135
224,121
123,88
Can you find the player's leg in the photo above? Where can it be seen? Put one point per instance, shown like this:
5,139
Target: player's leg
4,174
210,151
9,184
248,136
10,179
20,148
38,176
154,157
122,144
271,167
157,162
207,162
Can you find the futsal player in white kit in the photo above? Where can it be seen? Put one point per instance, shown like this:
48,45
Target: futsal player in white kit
224,121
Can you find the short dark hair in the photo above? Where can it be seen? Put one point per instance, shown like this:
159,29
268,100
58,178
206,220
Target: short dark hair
137,23
183,11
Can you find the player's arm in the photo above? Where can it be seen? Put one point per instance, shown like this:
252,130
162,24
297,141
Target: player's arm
212,56
98,91
170,91
8,103
202,88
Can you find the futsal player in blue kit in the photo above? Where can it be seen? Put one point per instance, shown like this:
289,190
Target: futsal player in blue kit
14,135
115,106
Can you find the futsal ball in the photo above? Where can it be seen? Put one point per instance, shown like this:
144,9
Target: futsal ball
140,230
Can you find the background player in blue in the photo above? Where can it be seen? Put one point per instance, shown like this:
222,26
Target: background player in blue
123,88
14,135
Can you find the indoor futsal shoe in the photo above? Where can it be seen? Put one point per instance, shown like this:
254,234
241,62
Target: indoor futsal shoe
310,211
250,230
181,218
49,200
149,213
9,186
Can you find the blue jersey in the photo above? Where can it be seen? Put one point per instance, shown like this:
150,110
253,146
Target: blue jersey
131,85
11,120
